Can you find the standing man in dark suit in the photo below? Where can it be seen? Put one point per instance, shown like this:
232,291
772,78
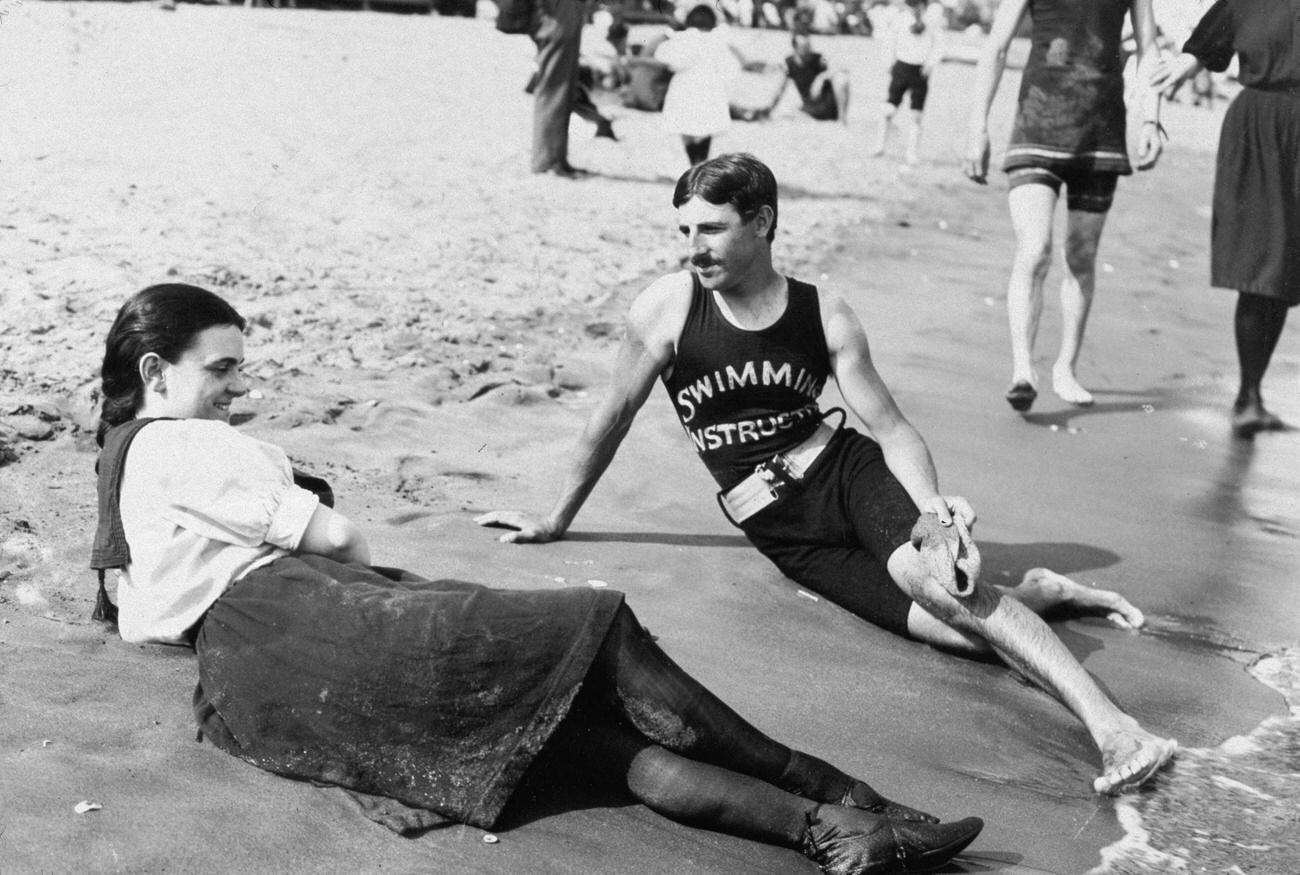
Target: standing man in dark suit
558,33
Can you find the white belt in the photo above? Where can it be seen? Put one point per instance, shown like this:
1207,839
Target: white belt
765,485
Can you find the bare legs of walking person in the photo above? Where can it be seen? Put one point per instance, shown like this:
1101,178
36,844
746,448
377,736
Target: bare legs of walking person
1032,207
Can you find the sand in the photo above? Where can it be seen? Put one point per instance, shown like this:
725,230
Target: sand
430,326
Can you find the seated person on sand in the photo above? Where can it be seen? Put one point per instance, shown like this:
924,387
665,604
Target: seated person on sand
602,61
438,694
744,352
824,92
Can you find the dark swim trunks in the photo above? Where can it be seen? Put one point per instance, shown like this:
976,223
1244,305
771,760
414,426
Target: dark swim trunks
836,532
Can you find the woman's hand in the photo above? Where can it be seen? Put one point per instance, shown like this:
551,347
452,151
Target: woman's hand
975,163
525,529
1170,72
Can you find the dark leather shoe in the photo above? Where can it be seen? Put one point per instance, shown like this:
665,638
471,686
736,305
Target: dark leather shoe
568,171
861,795
850,841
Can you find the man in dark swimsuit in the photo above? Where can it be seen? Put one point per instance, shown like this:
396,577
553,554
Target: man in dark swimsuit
744,353
824,92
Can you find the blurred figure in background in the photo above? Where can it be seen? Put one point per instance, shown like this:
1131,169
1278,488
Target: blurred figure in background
1255,230
913,47
696,106
1070,130
557,32
824,92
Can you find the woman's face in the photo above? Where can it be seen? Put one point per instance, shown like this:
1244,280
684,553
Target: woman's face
204,381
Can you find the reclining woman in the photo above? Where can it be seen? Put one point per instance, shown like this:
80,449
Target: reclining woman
437,694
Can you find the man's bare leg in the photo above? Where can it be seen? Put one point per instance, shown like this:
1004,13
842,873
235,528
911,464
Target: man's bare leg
1130,755
882,132
1043,590
1032,206
1082,237
840,88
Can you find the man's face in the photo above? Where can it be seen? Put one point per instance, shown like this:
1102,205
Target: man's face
802,46
722,246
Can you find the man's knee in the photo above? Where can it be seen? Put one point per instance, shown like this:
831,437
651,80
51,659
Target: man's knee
1035,255
1081,255
910,572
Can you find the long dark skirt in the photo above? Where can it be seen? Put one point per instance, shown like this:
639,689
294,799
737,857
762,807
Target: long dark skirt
1255,232
438,694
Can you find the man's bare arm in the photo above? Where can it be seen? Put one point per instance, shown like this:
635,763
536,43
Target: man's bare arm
988,74
1148,56
905,451
647,349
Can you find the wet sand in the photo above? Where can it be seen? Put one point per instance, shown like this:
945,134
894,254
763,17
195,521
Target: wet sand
431,326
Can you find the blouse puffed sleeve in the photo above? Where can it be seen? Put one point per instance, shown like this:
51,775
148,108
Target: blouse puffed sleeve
1212,40
223,485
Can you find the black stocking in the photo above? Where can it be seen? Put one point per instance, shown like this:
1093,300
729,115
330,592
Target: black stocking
672,709
697,149
1258,325
592,744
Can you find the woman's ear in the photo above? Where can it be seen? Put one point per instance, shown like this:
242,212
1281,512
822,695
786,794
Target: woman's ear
151,372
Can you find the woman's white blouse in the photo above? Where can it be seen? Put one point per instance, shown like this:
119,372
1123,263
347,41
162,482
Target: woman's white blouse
202,505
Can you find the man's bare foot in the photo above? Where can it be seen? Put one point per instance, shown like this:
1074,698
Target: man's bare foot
1043,589
1249,418
1067,388
1131,758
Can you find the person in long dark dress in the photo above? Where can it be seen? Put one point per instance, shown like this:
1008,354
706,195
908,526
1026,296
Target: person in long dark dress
1069,132
438,694
1255,229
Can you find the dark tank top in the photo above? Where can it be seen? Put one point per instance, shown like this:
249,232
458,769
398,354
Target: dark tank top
744,396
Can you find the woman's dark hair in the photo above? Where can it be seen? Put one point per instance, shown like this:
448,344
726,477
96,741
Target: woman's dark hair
702,16
162,319
738,179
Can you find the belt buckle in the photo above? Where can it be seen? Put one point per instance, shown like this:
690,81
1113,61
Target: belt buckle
776,474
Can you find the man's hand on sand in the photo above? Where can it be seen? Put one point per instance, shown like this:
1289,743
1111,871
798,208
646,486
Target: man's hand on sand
525,529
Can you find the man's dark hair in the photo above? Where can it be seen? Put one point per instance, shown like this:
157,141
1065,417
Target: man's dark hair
738,179
702,17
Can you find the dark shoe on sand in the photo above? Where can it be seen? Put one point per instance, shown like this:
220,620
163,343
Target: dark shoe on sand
850,841
862,796
1021,396
566,171
1249,420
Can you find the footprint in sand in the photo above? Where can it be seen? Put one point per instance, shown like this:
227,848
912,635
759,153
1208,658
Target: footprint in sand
21,550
